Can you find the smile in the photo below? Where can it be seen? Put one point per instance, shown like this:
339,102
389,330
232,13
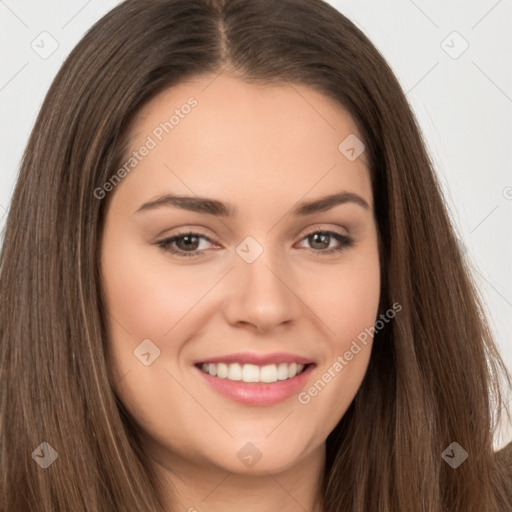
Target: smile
253,373
246,384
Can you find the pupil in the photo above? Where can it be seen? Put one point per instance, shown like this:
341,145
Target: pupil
318,235
188,243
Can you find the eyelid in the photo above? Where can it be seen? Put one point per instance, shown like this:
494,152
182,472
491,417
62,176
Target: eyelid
315,229
171,238
345,239
198,232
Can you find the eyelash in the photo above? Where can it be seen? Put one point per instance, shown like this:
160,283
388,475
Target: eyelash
166,246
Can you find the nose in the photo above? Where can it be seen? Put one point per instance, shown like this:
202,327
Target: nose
264,294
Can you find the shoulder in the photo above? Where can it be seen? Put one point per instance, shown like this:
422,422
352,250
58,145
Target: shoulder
505,455
503,460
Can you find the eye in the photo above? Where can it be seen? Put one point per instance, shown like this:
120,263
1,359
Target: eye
187,244
321,242
185,241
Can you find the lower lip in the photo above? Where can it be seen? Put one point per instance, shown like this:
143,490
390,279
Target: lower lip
257,393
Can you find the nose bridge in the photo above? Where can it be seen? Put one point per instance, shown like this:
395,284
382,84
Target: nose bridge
258,266
261,292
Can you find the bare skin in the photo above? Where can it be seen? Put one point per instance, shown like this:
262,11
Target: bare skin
263,150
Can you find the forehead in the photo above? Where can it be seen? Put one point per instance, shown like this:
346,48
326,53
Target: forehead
218,132
228,104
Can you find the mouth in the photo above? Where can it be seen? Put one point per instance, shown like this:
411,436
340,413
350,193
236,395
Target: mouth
262,384
252,373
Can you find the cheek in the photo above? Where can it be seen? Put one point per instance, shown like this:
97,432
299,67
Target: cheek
355,307
349,307
146,297
347,296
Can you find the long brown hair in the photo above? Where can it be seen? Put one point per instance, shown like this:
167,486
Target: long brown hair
434,373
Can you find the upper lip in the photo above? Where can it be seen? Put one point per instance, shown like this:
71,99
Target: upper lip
257,359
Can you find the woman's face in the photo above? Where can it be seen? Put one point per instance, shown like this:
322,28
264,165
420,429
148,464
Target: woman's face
254,301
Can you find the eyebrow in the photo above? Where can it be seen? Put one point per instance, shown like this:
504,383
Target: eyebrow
214,207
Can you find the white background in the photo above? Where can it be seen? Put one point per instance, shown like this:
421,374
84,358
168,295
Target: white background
463,104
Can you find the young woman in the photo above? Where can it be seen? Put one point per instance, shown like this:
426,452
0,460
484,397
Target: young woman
229,281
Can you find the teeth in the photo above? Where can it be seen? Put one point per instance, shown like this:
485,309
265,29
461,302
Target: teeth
222,370
252,372
282,371
268,373
234,372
